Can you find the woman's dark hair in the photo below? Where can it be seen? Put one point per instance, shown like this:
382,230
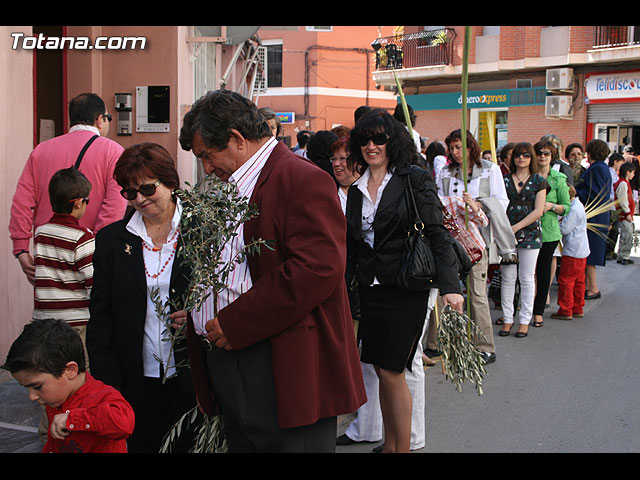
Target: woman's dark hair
46,346
520,148
570,147
472,145
216,113
624,168
545,143
504,151
85,109
434,149
398,114
269,114
597,149
146,160
66,185
401,150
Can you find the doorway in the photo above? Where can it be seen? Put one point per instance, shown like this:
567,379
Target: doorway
618,135
49,89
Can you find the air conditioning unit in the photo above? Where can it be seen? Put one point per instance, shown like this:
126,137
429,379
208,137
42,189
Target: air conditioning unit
560,79
558,106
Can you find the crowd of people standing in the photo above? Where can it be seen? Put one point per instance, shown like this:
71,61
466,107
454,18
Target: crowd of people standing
319,326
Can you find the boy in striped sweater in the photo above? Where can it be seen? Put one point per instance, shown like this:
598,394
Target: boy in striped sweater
63,254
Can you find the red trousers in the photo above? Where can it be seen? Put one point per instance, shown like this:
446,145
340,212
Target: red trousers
571,285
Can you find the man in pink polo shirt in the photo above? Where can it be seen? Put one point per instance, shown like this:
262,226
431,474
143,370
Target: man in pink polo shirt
30,206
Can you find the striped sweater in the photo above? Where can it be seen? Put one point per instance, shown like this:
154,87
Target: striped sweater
63,256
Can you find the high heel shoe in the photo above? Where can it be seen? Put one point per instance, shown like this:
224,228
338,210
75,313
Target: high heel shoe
522,334
505,333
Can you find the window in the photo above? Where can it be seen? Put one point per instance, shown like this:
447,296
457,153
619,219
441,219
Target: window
274,65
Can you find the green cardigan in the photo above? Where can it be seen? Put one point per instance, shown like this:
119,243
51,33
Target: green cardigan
559,194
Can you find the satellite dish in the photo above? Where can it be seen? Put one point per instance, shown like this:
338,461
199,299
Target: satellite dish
235,33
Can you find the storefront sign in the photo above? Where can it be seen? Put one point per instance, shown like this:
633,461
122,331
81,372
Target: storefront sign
448,101
612,87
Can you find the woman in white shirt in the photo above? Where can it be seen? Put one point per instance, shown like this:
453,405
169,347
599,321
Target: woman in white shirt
378,219
135,257
484,179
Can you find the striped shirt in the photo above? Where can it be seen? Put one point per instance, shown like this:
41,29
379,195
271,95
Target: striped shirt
239,280
63,257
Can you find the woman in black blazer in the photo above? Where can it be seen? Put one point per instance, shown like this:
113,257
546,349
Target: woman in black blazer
378,220
126,340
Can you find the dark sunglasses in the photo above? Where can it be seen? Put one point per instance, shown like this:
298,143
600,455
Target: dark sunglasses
524,155
85,200
146,190
107,116
378,139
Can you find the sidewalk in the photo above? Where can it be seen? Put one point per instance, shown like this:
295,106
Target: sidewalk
19,420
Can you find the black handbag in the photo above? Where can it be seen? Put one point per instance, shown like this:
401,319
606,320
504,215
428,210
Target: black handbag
418,270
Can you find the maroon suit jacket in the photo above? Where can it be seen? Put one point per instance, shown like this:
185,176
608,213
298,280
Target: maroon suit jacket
298,300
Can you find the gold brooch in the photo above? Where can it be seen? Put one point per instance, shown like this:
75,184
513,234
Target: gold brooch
127,249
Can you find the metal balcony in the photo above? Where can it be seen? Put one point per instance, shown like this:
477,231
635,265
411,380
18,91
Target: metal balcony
420,49
608,36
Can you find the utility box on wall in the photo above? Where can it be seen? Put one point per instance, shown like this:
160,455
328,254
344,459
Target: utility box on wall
152,109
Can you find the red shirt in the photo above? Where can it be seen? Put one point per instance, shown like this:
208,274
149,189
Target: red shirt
100,420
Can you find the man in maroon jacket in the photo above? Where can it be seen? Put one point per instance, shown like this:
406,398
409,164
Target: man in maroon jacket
283,362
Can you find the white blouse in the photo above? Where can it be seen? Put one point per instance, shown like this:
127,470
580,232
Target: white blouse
370,206
156,350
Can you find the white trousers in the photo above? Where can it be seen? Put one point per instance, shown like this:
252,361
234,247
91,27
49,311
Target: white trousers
525,272
367,426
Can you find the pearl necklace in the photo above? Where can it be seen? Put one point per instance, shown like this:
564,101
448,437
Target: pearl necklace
157,249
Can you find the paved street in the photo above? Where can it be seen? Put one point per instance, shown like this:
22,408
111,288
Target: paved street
570,386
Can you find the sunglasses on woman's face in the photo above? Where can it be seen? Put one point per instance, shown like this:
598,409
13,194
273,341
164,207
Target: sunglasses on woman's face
147,190
378,139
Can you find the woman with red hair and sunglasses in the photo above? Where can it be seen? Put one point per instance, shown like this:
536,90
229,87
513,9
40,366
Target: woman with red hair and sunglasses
134,257
378,219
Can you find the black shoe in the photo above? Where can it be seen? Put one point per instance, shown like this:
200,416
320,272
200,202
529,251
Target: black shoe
592,296
344,440
429,352
489,357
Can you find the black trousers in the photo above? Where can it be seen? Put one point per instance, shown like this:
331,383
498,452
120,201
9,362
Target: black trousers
161,407
243,383
543,276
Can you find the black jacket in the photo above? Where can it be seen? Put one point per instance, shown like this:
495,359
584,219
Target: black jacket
118,307
394,218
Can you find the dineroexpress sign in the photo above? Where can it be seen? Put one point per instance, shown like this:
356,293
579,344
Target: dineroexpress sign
606,87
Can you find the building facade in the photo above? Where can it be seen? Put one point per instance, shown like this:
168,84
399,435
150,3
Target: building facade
148,77
577,82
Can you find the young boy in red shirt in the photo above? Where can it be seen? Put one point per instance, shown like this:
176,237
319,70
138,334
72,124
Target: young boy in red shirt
85,415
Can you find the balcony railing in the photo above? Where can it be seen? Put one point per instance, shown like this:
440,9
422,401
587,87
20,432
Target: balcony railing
420,49
608,36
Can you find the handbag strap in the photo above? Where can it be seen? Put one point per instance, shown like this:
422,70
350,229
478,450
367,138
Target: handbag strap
418,223
84,149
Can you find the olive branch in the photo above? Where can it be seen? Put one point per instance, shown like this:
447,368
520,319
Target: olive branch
460,358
